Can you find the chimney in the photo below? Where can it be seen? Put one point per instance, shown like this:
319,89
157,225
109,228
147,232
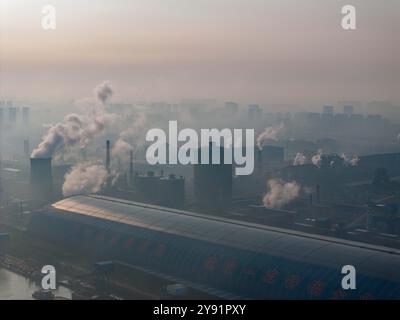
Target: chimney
41,179
108,163
131,167
108,156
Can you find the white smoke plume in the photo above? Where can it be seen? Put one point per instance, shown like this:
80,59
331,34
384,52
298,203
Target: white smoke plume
300,159
121,152
280,193
351,161
84,178
270,133
317,159
78,130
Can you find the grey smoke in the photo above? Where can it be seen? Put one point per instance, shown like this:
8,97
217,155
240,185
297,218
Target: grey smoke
103,91
84,178
78,129
121,152
280,193
270,133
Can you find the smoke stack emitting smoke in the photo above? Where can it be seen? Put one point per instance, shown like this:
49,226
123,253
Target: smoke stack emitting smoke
270,133
77,130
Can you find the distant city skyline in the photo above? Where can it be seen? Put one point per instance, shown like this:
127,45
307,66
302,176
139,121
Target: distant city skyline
258,51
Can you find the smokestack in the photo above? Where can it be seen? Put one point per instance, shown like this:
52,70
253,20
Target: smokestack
41,179
131,167
108,156
108,163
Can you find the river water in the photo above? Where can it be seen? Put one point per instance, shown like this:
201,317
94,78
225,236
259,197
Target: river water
16,287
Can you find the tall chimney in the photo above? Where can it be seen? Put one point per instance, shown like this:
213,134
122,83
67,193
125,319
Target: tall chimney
108,156
108,163
131,167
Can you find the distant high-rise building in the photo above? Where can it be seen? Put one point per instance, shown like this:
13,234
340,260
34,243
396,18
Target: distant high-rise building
348,110
12,115
328,110
231,106
1,114
254,111
26,149
25,115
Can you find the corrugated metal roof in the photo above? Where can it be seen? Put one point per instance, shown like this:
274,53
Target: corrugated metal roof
319,250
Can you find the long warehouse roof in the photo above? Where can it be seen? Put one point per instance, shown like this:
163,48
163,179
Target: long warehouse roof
320,250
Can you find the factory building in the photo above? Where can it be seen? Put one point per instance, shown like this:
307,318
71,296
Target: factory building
213,182
271,156
147,187
233,259
172,191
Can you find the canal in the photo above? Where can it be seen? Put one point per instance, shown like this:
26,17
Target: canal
16,287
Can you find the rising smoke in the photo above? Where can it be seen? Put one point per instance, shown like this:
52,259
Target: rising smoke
280,193
351,161
300,159
84,178
270,133
317,159
78,129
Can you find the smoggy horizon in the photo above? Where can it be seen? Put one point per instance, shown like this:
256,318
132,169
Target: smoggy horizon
249,51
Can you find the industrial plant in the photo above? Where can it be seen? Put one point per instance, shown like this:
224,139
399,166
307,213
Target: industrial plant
200,150
88,201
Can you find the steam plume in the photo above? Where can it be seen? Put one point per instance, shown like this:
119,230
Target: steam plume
317,159
77,129
299,160
84,178
280,193
353,161
270,133
103,91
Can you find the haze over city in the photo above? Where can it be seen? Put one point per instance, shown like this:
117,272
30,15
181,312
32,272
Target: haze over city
250,51
200,150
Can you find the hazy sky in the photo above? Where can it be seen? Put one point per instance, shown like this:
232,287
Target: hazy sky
265,51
